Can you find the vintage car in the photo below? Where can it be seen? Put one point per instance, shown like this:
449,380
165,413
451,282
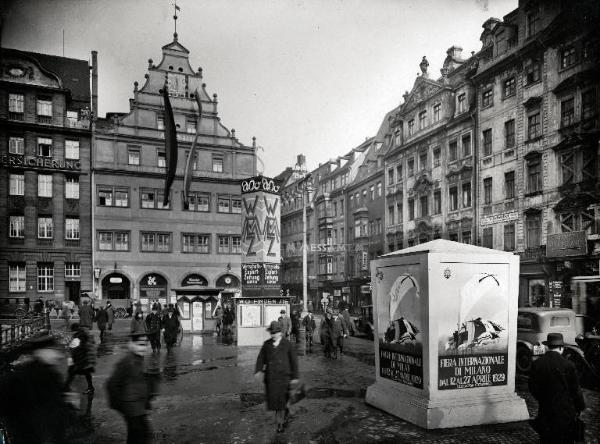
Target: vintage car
533,326
363,324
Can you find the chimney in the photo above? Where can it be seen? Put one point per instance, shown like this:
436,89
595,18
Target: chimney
94,85
300,160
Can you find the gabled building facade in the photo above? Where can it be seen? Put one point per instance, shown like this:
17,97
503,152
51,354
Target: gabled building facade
147,251
45,140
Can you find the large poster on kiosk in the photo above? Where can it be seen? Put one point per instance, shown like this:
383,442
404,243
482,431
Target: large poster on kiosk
473,326
400,324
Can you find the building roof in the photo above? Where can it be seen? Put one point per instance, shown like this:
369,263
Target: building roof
73,74
446,246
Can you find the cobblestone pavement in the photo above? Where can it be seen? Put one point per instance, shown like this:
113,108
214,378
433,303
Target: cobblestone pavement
208,395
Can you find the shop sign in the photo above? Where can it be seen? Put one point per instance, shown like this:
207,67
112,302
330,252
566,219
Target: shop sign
271,272
346,290
194,279
507,216
337,292
556,289
10,160
365,289
153,286
573,243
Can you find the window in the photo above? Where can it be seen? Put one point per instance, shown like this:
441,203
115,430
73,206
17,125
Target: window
199,202
453,195
436,157
391,176
509,87
509,134
487,190
534,175
453,237
411,166
44,185
72,187
113,196
44,110
16,145
71,149
379,189
113,240
466,237
578,166
195,243
191,126
453,151
229,244
391,218
534,230
466,193
567,57
229,204
466,145
161,158
372,192
422,119
45,228
436,112
533,23
424,206
72,269
509,184
487,142
16,277
153,198
588,104
509,237
16,106
567,112
487,239
399,172
397,138
156,242
44,146
217,164
16,185
16,227
462,103
72,229
45,277
160,123
437,202
487,98
411,209
133,155
399,212
422,161
411,127
533,73
534,126
72,117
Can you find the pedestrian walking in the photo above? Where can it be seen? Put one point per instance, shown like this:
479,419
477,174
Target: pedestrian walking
153,327
326,333
66,314
83,357
228,319
277,366
286,324
102,321
138,325
32,405
310,325
553,382
218,315
130,394
110,311
345,313
340,331
86,315
171,325
295,325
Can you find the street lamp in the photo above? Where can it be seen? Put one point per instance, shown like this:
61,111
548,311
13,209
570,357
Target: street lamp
305,186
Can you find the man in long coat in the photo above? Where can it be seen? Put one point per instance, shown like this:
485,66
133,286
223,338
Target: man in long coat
554,383
171,325
278,364
110,311
86,315
328,338
340,331
310,326
153,327
102,321
83,355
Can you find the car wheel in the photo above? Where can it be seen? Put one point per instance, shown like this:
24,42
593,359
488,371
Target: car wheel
524,359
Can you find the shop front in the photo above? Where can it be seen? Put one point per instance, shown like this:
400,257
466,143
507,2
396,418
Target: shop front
153,289
196,302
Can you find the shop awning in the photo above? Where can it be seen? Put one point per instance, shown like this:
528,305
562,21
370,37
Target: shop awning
198,292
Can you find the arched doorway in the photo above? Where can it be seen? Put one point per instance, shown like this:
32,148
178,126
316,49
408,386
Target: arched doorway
153,288
230,284
115,286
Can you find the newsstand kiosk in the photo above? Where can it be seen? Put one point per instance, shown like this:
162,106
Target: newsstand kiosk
445,317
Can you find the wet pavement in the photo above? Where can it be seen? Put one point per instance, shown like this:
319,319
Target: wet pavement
208,395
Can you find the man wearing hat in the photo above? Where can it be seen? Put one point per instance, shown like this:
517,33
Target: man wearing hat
277,365
554,383
286,324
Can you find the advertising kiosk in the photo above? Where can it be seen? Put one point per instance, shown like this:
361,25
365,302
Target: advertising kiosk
445,317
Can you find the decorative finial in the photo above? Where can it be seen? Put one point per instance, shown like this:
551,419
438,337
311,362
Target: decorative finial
215,97
232,133
254,141
150,62
200,71
135,86
423,65
177,8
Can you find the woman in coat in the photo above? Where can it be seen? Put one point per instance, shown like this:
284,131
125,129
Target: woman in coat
278,366
328,336
83,355
138,326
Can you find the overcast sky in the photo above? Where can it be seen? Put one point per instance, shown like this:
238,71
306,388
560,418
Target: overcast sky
304,76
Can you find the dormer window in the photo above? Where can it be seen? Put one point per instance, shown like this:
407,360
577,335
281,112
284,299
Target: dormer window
462,103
